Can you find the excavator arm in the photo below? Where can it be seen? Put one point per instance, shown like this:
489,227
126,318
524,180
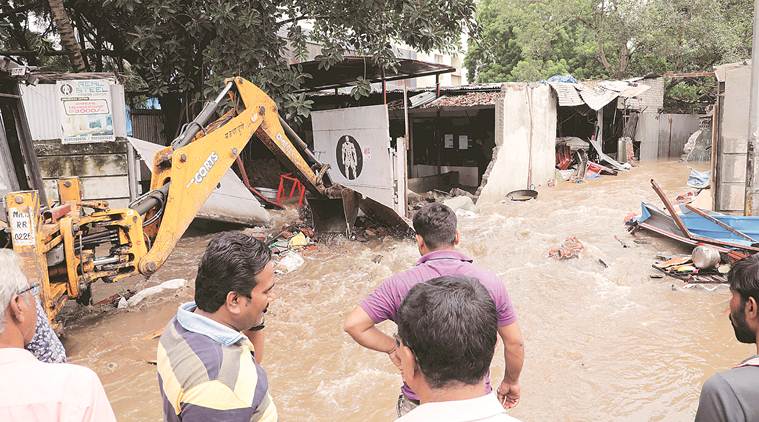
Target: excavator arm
74,243
186,172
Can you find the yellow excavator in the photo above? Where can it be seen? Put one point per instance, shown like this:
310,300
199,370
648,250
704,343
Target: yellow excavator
74,243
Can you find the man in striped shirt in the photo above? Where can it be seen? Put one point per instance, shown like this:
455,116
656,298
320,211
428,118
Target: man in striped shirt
206,366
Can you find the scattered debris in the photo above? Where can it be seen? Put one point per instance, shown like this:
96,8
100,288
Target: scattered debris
699,179
173,284
603,157
603,263
299,240
686,198
110,300
154,334
377,259
461,192
289,262
705,257
730,235
621,242
460,202
569,248
685,268
656,275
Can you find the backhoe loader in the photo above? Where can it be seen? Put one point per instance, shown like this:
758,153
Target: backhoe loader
71,244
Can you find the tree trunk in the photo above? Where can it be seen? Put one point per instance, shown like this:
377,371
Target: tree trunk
66,31
171,108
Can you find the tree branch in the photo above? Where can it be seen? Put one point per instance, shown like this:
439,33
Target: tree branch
20,9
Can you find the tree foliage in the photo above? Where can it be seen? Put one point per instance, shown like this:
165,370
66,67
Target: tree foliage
530,40
181,49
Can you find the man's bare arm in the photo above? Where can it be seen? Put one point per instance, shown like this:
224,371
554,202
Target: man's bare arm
513,352
360,326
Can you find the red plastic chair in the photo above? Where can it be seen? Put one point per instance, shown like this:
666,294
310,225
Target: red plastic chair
296,186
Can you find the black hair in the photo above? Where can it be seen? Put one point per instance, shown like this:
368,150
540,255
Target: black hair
230,263
450,323
744,277
436,223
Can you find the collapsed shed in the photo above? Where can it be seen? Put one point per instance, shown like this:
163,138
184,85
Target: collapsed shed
490,139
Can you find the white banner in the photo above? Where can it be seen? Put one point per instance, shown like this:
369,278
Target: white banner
85,110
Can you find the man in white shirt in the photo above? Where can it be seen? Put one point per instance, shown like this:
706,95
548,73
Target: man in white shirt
447,330
32,390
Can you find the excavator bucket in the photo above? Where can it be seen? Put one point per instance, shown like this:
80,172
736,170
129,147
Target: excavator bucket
335,215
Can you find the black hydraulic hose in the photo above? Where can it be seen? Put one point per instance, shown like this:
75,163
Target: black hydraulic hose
150,200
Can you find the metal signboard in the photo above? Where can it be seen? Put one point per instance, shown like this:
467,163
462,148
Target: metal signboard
85,110
355,142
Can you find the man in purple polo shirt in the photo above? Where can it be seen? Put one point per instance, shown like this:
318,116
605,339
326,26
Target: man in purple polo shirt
437,237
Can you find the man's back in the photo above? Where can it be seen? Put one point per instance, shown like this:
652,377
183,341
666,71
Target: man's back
731,396
384,302
35,391
480,409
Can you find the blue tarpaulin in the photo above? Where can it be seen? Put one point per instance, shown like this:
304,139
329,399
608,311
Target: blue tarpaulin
569,79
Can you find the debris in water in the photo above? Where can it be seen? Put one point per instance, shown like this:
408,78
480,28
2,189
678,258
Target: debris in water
460,203
173,284
621,242
298,241
569,248
290,262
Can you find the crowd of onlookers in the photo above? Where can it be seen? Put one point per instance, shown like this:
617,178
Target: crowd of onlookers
449,314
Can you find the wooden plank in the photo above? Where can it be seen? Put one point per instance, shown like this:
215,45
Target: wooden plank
96,187
55,147
56,166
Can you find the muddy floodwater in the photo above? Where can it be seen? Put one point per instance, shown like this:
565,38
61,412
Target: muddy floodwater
601,343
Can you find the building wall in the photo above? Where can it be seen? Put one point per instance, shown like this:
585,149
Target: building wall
101,166
732,141
674,131
528,135
651,101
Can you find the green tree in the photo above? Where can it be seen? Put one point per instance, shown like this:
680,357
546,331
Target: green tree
181,49
528,40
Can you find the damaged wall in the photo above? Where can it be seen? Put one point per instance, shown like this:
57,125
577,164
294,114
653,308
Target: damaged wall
730,165
527,115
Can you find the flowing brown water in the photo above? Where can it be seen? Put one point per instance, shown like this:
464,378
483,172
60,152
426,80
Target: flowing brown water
601,343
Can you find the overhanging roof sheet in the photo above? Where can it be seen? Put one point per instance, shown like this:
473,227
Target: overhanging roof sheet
345,73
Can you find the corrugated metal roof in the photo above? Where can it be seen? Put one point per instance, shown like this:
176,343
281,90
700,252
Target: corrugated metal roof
472,99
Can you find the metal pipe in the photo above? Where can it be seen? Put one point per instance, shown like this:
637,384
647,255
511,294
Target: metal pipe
302,147
199,122
131,172
105,261
149,200
752,161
